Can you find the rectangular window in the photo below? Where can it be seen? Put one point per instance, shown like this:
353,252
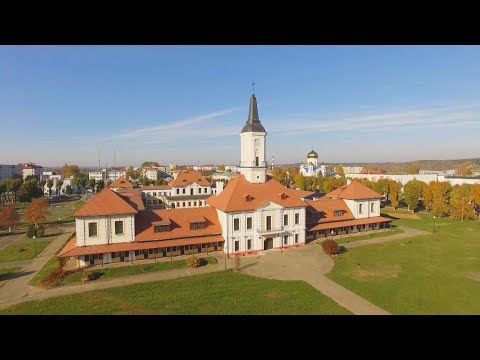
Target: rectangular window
237,245
161,228
184,190
285,239
195,226
269,223
199,202
127,253
371,207
256,161
297,218
285,219
191,191
205,190
92,229
249,244
189,204
178,191
338,213
183,204
296,238
249,223
360,208
154,194
236,224
119,227
194,203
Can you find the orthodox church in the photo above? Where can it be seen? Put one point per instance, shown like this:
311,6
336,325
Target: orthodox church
311,168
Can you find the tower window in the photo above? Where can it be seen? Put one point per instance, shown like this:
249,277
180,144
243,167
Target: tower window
256,161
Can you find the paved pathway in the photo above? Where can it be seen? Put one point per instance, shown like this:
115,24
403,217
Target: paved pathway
18,287
407,232
308,263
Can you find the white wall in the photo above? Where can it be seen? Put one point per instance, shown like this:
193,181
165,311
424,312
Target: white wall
403,179
252,146
353,205
105,229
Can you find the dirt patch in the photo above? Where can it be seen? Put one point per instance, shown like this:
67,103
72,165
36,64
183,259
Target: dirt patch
274,295
380,271
474,276
405,216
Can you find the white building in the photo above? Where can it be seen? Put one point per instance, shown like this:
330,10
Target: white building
232,168
311,168
104,174
9,171
352,169
150,173
30,169
426,178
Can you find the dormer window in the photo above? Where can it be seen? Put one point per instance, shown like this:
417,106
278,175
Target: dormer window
248,197
338,213
161,226
197,223
283,196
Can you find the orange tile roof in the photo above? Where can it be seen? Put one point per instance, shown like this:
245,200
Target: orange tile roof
187,177
325,208
135,245
337,224
72,244
121,182
241,195
179,223
132,197
354,191
106,202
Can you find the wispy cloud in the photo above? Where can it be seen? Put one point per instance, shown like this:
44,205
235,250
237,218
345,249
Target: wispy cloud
459,115
170,128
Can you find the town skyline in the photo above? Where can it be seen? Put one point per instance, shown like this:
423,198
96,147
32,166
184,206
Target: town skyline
187,104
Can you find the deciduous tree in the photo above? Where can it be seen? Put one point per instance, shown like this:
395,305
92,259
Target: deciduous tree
69,170
68,190
9,217
464,169
58,186
91,184
339,170
36,212
441,198
476,197
29,190
100,185
49,186
461,202
413,191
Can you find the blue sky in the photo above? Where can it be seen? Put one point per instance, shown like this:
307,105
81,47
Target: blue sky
187,104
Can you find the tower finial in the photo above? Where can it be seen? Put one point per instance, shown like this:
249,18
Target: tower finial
253,87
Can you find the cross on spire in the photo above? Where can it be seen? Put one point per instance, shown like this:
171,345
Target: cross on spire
253,87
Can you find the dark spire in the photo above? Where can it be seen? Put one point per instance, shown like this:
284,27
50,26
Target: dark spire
253,123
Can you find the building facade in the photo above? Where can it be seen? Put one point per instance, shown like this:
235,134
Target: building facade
30,169
9,171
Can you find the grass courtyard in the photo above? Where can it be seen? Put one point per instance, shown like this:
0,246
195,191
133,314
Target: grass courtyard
223,292
437,273
23,251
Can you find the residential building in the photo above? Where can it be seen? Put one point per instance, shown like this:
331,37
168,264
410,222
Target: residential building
9,171
30,169
109,175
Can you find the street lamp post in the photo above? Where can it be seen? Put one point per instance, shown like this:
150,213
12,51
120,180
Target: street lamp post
434,223
35,243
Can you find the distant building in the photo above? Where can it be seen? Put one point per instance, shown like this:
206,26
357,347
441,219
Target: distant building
232,168
352,169
449,172
9,171
207,167
311,168
104,174
371,171
31,169
226,175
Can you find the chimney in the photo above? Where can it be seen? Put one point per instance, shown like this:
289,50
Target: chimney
349,181
219,187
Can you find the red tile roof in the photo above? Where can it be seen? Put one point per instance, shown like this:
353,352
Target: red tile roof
354,191
72,250
187,177
121,182
132,197
322,210
241,195
106,202
179,223
337,224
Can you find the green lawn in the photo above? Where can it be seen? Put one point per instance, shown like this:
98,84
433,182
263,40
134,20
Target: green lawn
429,274
113,272
11,253
214,293
4,275
348,239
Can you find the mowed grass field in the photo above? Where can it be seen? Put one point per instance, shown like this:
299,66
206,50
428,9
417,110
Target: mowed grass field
437,273
24,250
223,292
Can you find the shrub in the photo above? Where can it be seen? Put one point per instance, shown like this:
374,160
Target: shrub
21,250
192,262
54,278
88,276
40,231
331,247
30,231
